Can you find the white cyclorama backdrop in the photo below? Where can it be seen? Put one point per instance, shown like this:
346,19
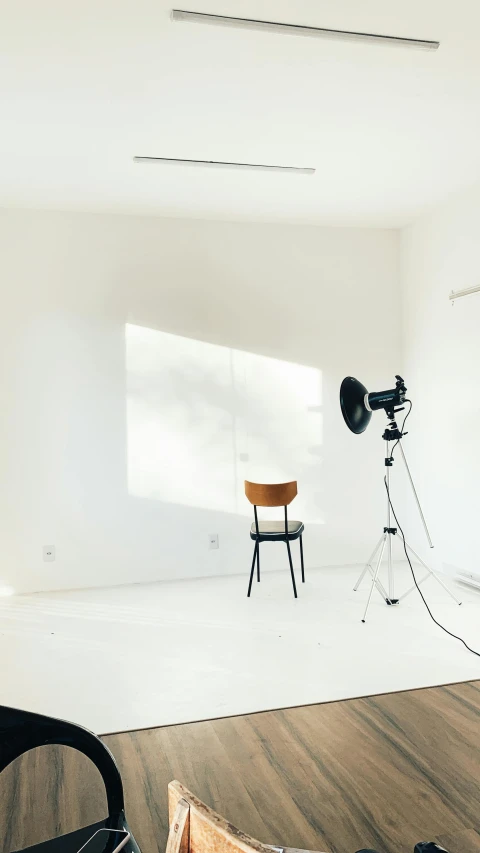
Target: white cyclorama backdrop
440,253
201,418
149,366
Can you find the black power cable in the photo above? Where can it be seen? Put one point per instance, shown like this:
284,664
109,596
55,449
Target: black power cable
411,567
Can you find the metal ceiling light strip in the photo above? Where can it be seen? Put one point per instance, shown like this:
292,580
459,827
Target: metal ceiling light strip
258,167
299,30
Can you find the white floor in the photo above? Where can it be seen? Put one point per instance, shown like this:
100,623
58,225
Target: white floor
139,656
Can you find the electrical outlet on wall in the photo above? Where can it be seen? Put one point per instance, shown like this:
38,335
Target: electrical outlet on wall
48,552
213,541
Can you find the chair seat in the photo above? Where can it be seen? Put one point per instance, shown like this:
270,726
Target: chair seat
73,841
275,530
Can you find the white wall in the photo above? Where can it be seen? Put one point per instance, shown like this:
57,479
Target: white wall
441,253
125,452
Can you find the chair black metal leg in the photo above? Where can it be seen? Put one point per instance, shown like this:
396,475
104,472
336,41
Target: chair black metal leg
301,559
291,568
258,563
253,569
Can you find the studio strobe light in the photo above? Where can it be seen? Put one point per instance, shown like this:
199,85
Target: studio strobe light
357,405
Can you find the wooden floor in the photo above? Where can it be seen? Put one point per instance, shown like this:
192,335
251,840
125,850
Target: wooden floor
383,772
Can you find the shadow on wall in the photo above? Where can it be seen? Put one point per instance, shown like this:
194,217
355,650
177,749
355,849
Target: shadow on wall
202,418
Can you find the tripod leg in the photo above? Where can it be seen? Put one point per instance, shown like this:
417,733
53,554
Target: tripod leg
391,579
369,563
377,569
430,572
437,578
415,495
391,582
380,587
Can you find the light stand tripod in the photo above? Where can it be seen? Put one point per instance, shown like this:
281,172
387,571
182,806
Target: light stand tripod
393,433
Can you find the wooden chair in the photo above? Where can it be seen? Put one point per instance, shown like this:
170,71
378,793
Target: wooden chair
279,494
195,828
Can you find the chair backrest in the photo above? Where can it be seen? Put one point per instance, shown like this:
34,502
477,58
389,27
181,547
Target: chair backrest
195,828
21,731
271,494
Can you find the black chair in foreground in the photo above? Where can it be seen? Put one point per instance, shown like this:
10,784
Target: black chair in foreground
21,731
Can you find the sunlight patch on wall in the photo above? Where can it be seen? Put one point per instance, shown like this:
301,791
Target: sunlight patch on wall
202,418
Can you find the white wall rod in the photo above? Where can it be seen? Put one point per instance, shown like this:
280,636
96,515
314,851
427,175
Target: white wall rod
456,294
299,29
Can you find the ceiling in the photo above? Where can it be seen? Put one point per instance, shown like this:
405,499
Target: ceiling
86,85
